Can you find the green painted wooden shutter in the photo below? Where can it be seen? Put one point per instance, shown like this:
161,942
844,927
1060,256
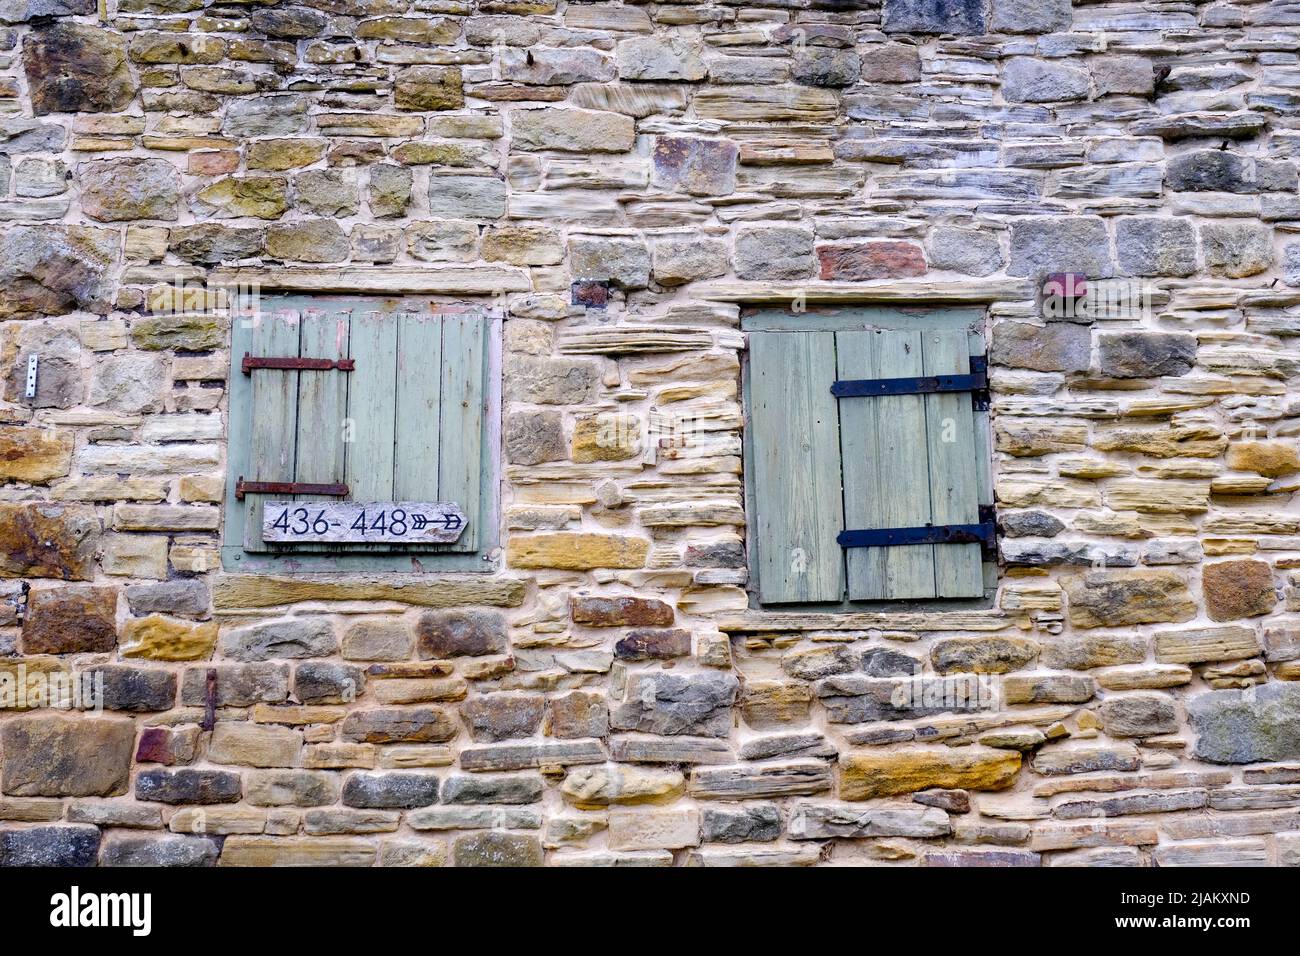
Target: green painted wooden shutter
406,424
821,466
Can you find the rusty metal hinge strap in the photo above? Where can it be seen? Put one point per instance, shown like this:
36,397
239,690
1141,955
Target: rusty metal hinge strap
291,363
243,487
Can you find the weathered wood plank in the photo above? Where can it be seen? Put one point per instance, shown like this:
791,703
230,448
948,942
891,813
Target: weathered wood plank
954,476
419,406
887,472
460,457
798,503
372,404
274,414
322,402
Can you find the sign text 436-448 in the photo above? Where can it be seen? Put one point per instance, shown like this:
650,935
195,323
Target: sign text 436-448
362,522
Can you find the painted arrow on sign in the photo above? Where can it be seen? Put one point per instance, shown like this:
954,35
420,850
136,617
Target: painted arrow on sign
362,522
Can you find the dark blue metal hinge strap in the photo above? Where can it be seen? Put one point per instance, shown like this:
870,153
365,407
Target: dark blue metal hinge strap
982,533
977,383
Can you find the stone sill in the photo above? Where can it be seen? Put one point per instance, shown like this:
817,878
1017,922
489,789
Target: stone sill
761,621
242,592
456,280
909,291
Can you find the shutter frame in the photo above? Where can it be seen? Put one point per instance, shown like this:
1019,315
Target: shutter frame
964,465
480,506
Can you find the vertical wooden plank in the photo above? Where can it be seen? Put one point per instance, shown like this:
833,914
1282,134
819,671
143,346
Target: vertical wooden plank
460,458
238,435
322,405
954,476
856,358
886,468
274,415
372,403
794,435
419,400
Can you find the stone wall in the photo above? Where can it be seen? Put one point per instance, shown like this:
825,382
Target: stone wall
606,694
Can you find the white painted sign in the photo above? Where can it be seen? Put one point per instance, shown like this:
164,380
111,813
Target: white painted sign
362,522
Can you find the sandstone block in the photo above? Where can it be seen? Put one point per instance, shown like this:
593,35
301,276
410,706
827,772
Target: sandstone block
254,745
1145,354
493,717
971,252
237,685
865,775
982,655
654,829
1259,724
1271,459
881,259
51,755
390,791
1139,715
50,846
576,551
948,16
773,252
385,726
291,788
741,823
594,787
70,620
669,704
51,269
118,190
1155,246
187,786
443,634
1238,589
655,58
1044,244
1029,80
34,455
1120,598
694,165
1055,347
123,850
292,638
1236,249
76,68
492,848
578,714
161,638
427,88
571,130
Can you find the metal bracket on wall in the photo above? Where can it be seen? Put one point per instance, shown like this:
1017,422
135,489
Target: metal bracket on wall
33,363
209,701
